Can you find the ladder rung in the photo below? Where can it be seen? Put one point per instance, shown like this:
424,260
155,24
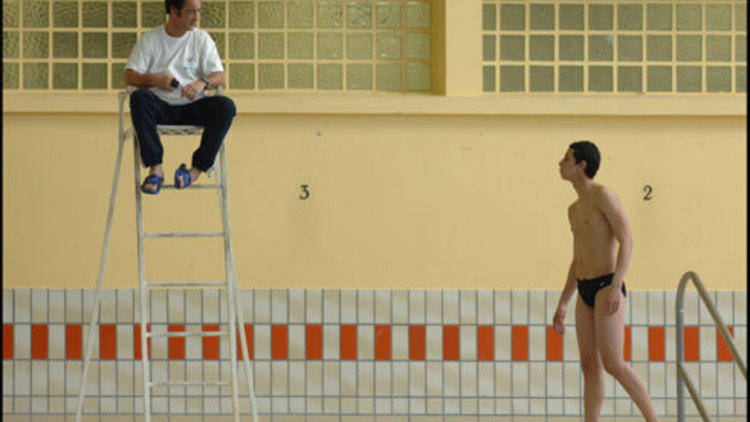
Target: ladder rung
185,283
188,383
192,187
188,334
183,234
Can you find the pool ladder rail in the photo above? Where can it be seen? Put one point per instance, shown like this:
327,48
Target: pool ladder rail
682,376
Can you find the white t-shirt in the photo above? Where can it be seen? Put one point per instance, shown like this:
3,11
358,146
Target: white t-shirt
187,58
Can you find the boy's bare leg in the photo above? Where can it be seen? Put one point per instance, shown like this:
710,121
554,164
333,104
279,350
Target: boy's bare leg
609,335
591,363
157,170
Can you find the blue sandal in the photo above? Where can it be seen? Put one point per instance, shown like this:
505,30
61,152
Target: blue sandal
183,172
152,179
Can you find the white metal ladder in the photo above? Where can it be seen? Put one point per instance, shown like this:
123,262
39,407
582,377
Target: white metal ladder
233,303
682,376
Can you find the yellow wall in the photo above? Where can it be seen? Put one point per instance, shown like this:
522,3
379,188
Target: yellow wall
413,201
456,190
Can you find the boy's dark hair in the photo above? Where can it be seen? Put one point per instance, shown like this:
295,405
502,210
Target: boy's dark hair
178,4
588,152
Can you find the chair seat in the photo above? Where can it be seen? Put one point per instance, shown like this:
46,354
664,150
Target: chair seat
179,130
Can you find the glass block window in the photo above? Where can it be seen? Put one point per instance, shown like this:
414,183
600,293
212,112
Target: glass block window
72,44
274,45
609,46
324,45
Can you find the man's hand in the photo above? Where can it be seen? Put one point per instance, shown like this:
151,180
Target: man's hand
612,299
192,89
163,82
559,319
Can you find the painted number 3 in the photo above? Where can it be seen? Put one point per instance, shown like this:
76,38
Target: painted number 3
648,189
305,193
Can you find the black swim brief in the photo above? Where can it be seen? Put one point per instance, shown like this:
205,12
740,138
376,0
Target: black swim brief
587,288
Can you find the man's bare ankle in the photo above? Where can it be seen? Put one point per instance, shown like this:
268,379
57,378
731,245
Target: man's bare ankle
194,173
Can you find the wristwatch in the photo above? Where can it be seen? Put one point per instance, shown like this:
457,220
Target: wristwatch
205,81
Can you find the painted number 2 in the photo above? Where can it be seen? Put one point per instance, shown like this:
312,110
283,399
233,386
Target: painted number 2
648,189
305,193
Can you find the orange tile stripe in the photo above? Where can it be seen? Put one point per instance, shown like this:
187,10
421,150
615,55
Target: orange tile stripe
137,341
520,341
417,342
485,342
554,345
451,345
249,337
73,341
7,341
210,344
691,338
279,342
107,341
39,341
314,342
176,345
656,344
723,353
348,342
382,342
626,344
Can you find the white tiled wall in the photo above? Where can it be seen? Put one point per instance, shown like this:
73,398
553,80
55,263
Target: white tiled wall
399,385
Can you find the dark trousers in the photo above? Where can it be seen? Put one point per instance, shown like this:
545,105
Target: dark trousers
214,113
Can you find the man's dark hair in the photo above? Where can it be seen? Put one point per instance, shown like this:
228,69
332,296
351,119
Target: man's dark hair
588,152
178,4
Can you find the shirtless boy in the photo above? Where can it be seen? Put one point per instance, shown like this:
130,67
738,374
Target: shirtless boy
598,222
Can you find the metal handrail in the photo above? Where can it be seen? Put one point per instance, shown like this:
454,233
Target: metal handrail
682,375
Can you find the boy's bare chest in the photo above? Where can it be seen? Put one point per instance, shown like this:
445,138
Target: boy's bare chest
586,218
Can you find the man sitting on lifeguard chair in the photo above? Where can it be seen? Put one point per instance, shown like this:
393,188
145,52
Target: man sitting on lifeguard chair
172,66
